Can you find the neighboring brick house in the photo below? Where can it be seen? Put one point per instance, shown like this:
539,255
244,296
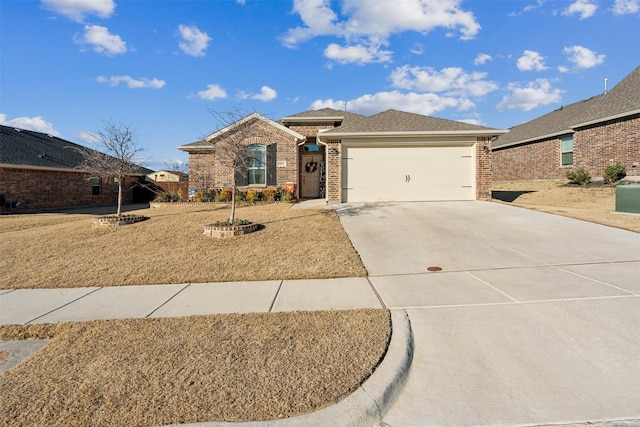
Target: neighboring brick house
590,134
345,157
41,172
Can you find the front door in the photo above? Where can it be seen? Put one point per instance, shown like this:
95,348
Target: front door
310,185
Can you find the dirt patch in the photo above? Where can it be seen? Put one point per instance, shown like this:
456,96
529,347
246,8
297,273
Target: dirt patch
593,203
61,251
203,368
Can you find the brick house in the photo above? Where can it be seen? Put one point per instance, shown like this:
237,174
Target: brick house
41,172
590,134
345,157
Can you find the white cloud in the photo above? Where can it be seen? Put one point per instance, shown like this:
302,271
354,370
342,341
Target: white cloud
417,49
358,54
482,59
131,82
88,137
534,94
37,124
266,94
211,93
452,81
420,103
582,57
194,42
623,7
102,41
77,10
531,60
585,8
367,25
241,2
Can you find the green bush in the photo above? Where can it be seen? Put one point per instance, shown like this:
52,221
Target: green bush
578,176
614,173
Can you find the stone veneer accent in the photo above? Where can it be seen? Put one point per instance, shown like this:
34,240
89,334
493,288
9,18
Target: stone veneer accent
594,148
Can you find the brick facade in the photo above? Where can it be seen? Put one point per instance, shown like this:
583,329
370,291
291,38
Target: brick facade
594,148
206,172
37,189
483,168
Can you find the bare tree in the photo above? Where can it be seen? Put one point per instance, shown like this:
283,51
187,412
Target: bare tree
177,166
232,147
116,149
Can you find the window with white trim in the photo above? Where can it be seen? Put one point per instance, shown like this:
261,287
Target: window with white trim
566,150
257,173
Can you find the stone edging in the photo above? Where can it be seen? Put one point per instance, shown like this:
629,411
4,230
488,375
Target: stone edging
117,221
213,230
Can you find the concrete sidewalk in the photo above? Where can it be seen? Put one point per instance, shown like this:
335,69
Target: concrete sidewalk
30,306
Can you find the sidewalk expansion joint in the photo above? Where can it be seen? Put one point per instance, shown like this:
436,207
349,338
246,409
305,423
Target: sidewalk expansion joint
167,301
375,291
64,305
275,297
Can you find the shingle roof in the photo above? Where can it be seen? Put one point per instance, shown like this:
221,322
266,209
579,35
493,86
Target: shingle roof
325,113
391,121
23,147
621,99
253,118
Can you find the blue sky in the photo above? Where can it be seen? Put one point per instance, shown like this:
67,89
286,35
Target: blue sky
162,66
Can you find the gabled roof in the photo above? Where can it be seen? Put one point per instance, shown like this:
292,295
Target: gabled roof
323,115
621,101
30,149
400,123
208,142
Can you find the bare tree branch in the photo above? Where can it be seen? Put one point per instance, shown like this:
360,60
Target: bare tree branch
116,149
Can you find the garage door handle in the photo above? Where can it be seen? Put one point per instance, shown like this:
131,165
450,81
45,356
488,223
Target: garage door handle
407,178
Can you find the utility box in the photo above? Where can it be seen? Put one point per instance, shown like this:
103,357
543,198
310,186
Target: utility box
628,198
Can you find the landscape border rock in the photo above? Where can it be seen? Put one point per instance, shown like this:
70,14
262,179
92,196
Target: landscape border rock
221,231
116,221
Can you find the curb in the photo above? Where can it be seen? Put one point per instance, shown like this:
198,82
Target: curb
365,406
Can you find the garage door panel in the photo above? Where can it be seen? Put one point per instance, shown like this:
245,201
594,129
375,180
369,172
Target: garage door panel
408,173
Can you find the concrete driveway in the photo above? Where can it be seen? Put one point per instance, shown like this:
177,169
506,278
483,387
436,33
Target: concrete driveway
533,319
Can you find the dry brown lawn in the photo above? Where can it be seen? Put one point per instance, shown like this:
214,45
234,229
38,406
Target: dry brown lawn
593,204
204,368
64,250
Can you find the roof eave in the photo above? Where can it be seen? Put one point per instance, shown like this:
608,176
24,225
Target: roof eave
401,134
311,119
536,138
605,119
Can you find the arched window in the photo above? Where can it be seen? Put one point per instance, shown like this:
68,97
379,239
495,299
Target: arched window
257,173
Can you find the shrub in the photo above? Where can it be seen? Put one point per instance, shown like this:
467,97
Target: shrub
252,196
224,195
578,176
286,196
167,197
614,173
269,194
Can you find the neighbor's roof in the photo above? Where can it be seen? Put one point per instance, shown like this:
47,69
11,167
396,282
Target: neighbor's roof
399,123
621,101
323,115
208,142
30,149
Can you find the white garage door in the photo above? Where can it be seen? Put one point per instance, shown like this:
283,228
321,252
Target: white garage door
418,173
